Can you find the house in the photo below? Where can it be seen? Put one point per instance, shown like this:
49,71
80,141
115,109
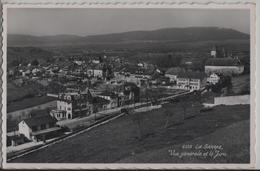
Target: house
190,80
79,62
140,64
225,66
131,93
95,71
213,52
35,71
98,72
172,73
26,73
12,72
72,105
14,140
111,97
95,61
39,128
100,104
213,79
138,76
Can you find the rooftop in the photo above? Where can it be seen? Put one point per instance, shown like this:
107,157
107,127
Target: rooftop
108,93
100,101
223,62
36,121
76,96
192,75
45,131
133,69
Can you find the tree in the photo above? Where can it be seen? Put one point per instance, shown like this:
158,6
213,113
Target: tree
35,62
15,63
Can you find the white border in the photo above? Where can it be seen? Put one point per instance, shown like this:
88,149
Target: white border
128,4
257,86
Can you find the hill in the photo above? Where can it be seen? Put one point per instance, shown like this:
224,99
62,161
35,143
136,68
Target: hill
161,35
27,54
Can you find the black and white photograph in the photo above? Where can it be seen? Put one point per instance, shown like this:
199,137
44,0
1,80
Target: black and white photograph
128,85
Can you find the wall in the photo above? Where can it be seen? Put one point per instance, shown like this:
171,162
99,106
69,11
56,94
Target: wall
232,100
24,129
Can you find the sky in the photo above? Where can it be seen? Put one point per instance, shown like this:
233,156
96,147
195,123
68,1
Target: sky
89,21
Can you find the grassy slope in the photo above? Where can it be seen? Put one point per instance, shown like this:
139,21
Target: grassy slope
117,140
235,139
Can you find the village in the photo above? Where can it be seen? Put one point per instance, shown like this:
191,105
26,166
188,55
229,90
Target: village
84,91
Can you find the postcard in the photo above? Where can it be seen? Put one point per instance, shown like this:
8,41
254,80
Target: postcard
128,85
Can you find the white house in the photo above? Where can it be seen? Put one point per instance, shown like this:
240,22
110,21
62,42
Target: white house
213,79
134,76
98,73
35,71
172,73
71,105
94,61
38,128
79,62
190,80
140,64
213,52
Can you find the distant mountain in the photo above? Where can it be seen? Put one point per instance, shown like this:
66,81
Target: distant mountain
27,54
161,35
28,40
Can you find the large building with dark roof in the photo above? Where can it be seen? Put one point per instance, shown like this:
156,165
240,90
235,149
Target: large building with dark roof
226,66
190,80
39,128
72,105
134,74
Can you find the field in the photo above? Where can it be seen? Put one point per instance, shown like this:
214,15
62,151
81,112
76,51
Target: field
118,140
232,140
28,102
23,97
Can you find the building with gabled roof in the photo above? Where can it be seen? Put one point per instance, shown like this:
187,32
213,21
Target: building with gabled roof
73,104
134,74
95,71
191,80
226,66
172,73
100,104
39,128
111,97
